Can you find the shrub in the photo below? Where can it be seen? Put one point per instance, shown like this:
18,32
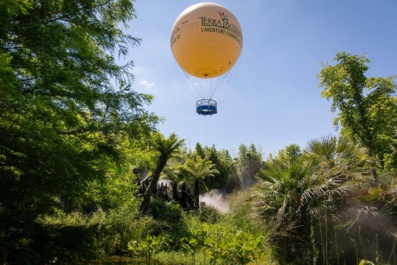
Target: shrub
169,212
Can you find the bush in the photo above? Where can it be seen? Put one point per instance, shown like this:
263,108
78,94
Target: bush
209,214
169,212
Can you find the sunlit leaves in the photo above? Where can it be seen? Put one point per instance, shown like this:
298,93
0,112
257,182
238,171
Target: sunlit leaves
365,106
68,114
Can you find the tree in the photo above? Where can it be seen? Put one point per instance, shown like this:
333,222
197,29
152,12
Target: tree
196,170
173,173
166,148
290,153
223,163
340,154
292,197
66,110
226,179
249,164
341,157
365,107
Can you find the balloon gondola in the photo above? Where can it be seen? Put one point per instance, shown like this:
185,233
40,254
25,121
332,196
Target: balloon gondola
206,42
206,107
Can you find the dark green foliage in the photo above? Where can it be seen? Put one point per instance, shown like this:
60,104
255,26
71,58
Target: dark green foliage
195,170
319,209
69,244
299,190
223,163
66,114
249,164
164,211
165,149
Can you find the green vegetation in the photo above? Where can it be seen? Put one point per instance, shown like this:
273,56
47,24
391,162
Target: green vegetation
366,108
85,177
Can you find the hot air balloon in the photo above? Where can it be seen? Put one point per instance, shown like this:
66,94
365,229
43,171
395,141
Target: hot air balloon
206,42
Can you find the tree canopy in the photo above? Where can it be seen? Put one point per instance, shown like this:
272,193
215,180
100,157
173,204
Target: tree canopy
366,107
66,109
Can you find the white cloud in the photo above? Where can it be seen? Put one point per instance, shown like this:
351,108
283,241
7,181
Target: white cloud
146,84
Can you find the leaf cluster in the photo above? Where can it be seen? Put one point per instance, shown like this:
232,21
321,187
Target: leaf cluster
68,118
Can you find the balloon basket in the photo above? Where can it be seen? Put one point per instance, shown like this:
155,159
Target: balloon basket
206,107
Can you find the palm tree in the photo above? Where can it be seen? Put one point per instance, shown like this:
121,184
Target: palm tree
166,148
173,173
196,170
292,197
337,153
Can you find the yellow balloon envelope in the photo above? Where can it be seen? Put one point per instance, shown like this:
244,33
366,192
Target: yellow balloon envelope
206,40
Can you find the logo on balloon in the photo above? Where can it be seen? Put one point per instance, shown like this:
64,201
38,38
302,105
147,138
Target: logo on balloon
221,26
223,16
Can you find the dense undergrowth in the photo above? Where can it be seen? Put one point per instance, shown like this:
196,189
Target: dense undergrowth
362,231
202,237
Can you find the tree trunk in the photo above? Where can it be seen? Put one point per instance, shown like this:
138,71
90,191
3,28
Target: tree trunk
183,199
374,176
196,195
153,184
372,163
175,194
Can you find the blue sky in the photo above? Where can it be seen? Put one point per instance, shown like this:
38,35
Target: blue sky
271,97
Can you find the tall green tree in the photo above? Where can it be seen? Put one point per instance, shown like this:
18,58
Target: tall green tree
223,163
165,148
365,106
290,153
196,170
66,109
249,164
226,179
